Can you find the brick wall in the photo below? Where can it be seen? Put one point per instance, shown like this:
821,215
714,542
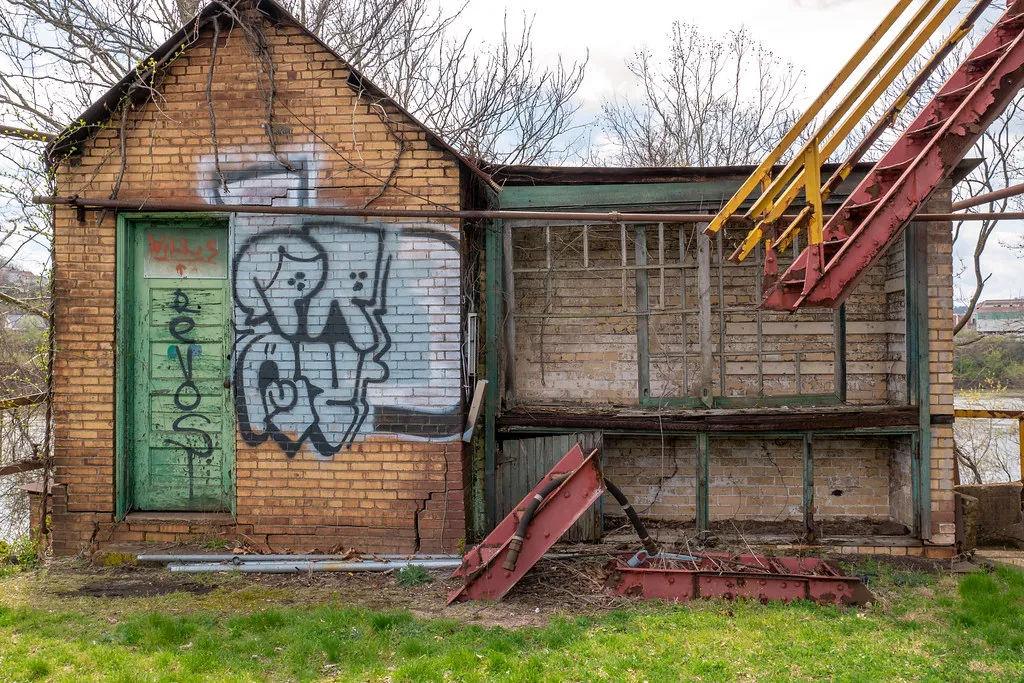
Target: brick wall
755,478
940,369
576,326
400,473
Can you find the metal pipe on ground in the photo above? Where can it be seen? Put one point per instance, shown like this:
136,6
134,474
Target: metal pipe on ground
167,559
310,567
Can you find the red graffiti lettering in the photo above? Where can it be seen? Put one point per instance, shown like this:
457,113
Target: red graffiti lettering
177,250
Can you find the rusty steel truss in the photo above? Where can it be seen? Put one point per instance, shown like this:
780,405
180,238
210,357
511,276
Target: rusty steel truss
483,570
840,251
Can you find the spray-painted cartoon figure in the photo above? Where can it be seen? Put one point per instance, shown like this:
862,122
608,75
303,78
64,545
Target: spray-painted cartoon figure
309,341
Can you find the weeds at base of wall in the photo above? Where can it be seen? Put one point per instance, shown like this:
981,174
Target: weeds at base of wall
412,575
21,553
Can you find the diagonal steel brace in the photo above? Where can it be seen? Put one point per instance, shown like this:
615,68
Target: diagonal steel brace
484,578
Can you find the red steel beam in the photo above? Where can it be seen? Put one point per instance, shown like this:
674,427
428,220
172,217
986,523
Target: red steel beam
751,577
484,578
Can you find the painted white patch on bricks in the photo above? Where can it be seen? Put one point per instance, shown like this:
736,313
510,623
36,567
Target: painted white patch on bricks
344,327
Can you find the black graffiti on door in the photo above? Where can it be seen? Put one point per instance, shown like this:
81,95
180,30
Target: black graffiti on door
187,397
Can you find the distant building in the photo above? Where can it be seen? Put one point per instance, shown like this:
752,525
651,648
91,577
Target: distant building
959,312
16,277
1000,316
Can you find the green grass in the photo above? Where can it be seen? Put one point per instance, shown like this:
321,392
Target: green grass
927,629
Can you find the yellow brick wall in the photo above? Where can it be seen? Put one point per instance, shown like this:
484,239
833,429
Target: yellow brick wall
386,491
940,369
576,329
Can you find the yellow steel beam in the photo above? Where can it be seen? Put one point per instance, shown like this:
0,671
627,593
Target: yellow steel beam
989,414
764,170
792,177
795,173
783,241
816,230
767,206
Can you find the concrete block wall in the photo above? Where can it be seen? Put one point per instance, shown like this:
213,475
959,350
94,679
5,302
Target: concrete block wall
380,337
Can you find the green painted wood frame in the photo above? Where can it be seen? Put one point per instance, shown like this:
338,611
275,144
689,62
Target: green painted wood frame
124,319
838,397
918,372
493,291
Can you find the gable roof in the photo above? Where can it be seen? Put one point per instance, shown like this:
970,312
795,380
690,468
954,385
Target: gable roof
100,110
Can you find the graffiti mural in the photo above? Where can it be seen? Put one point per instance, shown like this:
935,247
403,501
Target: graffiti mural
343,327
299,341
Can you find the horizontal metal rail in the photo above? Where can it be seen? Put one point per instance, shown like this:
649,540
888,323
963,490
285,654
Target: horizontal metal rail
444,214
307,567
253,557
19,401
1005,193
19,466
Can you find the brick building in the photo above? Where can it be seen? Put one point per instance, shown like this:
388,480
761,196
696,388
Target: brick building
302,380
293,379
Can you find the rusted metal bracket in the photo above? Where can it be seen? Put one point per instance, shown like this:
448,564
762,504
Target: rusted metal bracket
484,577
753,577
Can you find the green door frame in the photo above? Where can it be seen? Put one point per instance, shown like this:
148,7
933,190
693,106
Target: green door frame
127,224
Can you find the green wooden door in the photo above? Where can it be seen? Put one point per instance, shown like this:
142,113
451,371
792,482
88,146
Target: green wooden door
182,431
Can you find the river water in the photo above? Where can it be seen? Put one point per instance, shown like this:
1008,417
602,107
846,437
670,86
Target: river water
993,445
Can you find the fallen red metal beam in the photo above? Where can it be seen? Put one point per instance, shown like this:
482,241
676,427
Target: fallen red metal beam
482,570
753,577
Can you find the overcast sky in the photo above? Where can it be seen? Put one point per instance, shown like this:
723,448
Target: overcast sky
818,36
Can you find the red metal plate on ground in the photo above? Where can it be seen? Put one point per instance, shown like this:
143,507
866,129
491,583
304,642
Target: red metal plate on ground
752,577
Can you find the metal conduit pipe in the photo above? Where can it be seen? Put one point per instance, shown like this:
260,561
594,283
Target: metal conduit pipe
167,559
517,540
441,214
310,567
649,543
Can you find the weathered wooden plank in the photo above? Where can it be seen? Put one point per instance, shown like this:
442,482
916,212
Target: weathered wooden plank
763,420
704,317
200,361
643,344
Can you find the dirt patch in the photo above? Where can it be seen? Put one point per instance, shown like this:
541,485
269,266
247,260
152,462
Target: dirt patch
560,586
137,588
